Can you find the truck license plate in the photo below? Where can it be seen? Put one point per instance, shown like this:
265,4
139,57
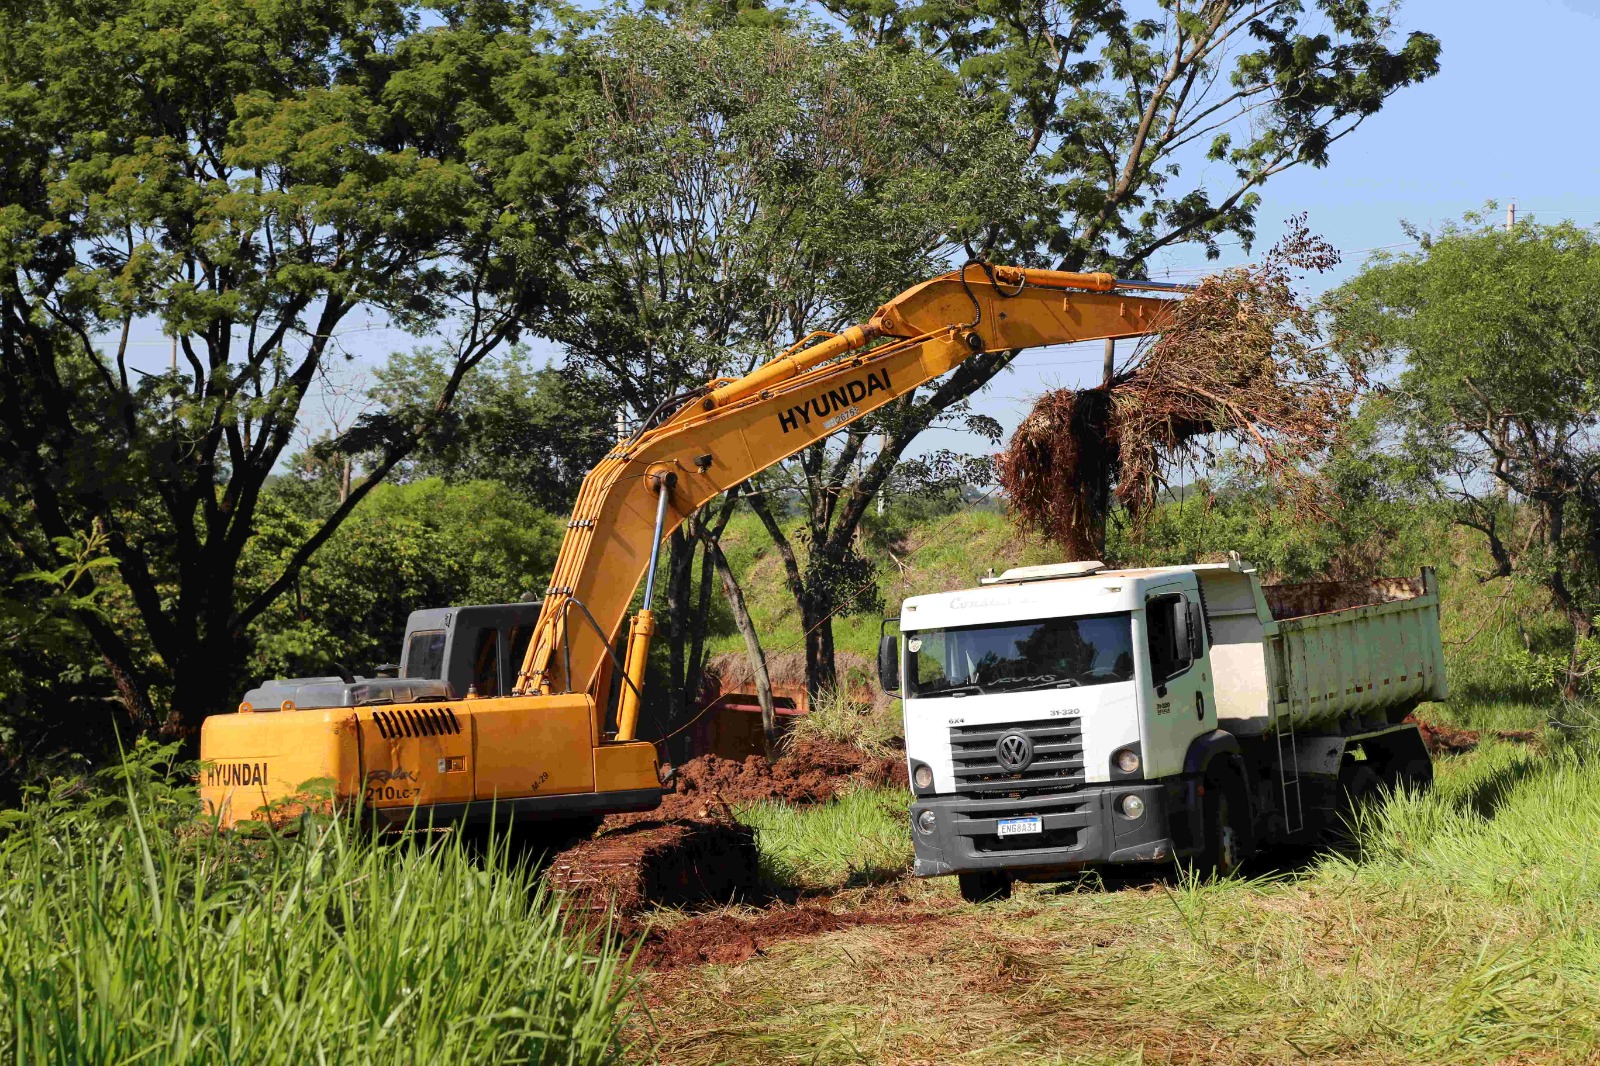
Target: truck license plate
1014,827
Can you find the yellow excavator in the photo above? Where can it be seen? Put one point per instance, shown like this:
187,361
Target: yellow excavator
498,711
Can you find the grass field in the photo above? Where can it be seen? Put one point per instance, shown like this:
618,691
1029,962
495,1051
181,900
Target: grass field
129,934
1466,928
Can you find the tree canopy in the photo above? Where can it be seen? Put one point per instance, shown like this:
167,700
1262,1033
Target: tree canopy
247,176
1496,333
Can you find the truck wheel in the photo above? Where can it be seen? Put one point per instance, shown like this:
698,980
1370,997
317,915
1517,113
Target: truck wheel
1225,814
1415,774
981,886
1358,786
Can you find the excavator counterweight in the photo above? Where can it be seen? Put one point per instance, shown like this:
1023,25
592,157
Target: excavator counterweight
541,740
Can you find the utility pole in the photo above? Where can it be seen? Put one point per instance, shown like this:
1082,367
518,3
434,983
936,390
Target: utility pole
1511,216
1111,360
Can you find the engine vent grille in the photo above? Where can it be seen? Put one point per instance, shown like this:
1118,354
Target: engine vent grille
1057,756
416,722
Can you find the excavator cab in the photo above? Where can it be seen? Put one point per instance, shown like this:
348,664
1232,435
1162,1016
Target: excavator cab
475,650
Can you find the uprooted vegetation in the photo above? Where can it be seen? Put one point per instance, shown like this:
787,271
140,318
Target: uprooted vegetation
1238,358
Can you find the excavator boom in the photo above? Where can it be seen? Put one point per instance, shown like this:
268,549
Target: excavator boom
741,427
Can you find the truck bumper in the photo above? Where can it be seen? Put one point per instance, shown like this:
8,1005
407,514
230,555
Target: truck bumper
1079,829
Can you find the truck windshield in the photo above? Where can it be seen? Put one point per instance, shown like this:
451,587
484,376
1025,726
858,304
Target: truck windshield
1016,656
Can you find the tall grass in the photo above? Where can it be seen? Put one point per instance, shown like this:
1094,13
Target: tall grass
861,837
129,934
876,728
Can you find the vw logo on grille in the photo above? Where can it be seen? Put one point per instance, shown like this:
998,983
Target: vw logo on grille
1015,752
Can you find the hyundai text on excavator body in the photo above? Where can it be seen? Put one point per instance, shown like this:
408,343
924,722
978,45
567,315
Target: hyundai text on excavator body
546,744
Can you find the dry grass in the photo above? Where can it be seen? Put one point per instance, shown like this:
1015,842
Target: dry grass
1460,936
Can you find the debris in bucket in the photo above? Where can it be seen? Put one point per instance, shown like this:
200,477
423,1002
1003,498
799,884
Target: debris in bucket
1239,357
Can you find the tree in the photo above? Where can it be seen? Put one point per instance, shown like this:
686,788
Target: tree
248,176
537,430
1497,333
1113,108
421,544
753,179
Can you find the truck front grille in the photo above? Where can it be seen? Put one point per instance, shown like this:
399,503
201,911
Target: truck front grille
1057,757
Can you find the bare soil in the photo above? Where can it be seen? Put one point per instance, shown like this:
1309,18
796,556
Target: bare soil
690,850
727,938
665,863
1449,740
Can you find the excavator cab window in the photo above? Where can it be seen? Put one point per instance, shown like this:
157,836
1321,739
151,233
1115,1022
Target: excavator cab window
486,663
424,656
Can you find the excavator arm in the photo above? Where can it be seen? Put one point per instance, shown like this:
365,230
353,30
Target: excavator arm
736,428
412,751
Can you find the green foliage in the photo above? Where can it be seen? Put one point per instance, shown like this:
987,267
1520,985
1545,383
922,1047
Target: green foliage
728,164
1118,99
133,932
422,544
245,175
537,430
838,716
1498,401
860,838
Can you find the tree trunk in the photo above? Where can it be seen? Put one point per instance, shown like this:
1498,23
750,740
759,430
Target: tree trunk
817,616
752,647
680,571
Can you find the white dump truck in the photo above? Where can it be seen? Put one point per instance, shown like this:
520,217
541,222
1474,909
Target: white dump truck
1067,716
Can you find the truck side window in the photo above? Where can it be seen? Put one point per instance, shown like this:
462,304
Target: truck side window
1166,658
424,656
486,663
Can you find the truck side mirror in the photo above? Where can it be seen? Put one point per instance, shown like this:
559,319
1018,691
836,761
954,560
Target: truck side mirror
1196,626
889,663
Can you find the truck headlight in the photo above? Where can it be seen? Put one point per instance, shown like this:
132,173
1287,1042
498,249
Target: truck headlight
1127,760
925,822
1131,806
923,777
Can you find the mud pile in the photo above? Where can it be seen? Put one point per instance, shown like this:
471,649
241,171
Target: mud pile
1449,740
665,863
690,849
810,771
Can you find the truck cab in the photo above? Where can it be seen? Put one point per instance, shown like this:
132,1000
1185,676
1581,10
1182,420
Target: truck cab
1048,714
1066,716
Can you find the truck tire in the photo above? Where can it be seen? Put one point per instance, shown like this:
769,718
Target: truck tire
982,886
1415,774
1225,818
1358,786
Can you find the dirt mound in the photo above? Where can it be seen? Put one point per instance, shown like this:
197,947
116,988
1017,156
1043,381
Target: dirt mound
667,863
724,938
1448,740
810,771
690,849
